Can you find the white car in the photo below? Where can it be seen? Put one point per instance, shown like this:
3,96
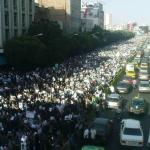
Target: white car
131,133
144,86
114,101
143,70
143,76
144,65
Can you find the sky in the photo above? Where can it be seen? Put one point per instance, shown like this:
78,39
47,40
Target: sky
124,11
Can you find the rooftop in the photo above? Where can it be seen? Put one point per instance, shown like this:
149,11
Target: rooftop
131,123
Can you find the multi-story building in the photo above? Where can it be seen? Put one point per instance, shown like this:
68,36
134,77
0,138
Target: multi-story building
92,15
108,21
65,12
15,18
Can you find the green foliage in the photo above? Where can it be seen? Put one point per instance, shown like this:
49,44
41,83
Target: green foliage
49,29
52,46
118,76
26,51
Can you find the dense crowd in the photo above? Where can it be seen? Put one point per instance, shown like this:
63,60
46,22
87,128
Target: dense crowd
41,109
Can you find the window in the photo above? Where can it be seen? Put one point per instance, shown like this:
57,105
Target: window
7,34
132,131
15,4
6,3
23,19
15,19
15,32
6,18
23,5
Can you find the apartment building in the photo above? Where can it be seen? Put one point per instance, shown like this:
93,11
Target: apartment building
15,18
66,12
92,15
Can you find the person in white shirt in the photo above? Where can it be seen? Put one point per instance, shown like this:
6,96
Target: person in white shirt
93,134
86,133
112,89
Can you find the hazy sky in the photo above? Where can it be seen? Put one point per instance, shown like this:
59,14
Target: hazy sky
128,10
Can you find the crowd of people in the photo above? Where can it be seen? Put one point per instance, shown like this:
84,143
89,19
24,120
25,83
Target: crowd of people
44,109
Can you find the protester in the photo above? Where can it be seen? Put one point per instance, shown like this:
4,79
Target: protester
41,109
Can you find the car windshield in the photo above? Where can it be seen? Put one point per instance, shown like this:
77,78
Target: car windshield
144,85
122,84
143,70
144,65
143,73
126,79
132,131
111,99
138,103
136,60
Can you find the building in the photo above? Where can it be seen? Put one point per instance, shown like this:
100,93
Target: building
108,21
65,12
131,25
92,15
119,27
15,18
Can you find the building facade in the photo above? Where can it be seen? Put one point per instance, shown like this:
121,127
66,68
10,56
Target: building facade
15,18
65,12
92,15
108,21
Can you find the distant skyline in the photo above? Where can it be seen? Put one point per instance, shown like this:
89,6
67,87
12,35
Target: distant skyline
124,11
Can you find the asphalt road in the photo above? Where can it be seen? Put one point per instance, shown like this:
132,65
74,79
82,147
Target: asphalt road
114,143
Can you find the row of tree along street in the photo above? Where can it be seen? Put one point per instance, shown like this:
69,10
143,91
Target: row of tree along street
46,44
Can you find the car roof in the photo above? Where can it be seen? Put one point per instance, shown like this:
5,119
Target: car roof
131,123
114,95
101,120
90,147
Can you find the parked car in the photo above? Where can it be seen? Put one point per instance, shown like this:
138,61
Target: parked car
123,87
144,86
143,76
114,101
90,147
131,133
103,127
137,105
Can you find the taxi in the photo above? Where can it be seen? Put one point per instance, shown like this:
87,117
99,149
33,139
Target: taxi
131,74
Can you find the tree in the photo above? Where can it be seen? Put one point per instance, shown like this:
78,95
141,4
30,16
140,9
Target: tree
26,51
50,30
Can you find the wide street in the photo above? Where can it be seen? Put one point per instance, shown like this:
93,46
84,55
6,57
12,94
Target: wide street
145,121
114,143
